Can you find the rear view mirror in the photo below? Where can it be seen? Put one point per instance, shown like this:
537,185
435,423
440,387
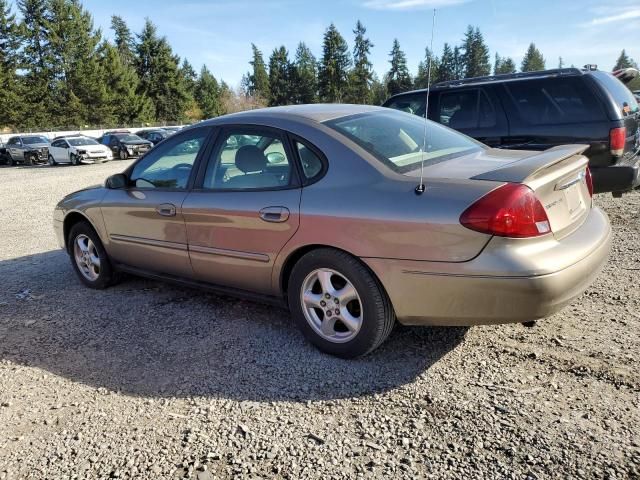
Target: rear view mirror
276,157
117,181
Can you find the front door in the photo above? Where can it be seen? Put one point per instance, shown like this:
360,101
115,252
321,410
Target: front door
145,222
245,209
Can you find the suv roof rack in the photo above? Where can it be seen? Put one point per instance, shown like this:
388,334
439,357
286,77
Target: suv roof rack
511,76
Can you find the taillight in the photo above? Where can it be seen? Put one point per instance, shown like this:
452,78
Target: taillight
589,181
617,140
512,210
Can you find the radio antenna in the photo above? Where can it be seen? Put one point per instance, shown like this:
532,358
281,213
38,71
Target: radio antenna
421,188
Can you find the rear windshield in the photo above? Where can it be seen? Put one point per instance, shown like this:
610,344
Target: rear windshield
34,140
552,101
397,139
621,94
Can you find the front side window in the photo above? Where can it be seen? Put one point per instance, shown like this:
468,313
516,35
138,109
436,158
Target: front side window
248,161
466,109
170,165
397,139
414,104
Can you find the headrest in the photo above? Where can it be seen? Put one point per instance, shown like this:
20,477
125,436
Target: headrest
250,158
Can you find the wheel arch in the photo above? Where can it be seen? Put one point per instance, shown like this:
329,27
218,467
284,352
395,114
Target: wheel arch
297,254
71,219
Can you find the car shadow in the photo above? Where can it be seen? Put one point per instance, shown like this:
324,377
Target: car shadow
147,338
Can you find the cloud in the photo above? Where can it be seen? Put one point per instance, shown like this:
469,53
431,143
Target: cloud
628,15
410,4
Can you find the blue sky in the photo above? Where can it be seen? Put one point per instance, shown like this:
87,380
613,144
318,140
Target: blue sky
218,33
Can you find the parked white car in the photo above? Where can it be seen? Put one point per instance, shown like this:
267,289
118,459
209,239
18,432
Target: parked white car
78,149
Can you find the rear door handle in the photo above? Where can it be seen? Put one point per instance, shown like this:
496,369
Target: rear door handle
166,210
274,214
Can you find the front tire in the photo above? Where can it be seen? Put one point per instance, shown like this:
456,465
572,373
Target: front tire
338,304
52,161
28,160
89,258
123,154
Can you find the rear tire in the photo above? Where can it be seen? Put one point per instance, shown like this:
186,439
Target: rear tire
338,303
89,258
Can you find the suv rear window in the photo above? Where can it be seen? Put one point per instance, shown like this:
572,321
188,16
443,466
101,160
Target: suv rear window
621,94
554,101
466,109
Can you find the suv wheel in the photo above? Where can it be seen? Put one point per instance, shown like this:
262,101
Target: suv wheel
89,258
28,159
123,154
338,304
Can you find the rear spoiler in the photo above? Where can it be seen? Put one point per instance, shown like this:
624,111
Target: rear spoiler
527,167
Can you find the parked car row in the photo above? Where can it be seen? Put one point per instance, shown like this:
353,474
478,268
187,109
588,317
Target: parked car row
540,110
79,149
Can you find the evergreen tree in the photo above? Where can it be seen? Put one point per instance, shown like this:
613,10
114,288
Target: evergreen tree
447,67
504,65
533,60
458,63
476,54
398,77
378,91
361,76
37,61
305,75
208,94
560,62
280,78
624,61
10,86
189,76
422,79
123,38
159,74
333,72
257,82
123,104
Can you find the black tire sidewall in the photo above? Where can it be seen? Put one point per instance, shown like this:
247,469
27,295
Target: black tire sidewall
106,276
370,292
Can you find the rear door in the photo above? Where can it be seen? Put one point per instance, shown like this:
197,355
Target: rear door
244,209
476,112
14,147
145,221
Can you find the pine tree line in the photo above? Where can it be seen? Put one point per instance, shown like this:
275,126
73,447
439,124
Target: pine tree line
57,70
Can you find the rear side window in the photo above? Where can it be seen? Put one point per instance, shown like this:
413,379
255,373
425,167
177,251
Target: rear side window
621,94
554,101
414,104
466,109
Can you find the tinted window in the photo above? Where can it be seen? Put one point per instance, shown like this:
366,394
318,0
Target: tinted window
248,162
311,163
554,101
13,141
621,94
34,140
466,109
414,104
59,144
170,165
397,139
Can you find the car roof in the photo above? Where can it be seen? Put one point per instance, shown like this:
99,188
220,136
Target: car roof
313,112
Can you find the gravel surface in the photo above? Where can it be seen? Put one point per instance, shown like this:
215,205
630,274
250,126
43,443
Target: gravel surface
147,380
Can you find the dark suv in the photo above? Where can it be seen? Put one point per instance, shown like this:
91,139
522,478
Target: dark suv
539,110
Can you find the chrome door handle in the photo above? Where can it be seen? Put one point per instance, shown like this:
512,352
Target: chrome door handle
166,210
274,214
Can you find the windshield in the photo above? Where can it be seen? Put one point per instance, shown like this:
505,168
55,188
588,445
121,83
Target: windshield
129,138
34,140
397,139
77,142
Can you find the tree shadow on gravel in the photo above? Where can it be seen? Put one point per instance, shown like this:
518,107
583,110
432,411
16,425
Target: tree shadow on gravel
151,339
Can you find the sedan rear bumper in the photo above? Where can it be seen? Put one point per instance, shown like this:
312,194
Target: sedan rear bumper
510,281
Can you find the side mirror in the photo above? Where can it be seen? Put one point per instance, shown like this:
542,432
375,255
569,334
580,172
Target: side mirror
275,157
117,181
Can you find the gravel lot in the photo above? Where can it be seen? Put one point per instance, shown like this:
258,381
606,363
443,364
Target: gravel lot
147,380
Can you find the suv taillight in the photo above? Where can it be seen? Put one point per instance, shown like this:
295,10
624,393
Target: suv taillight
512,210
589,180
617,140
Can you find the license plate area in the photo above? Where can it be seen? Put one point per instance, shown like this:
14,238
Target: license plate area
574,200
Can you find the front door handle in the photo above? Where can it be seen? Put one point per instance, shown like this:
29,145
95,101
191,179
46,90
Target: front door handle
166,210
274,214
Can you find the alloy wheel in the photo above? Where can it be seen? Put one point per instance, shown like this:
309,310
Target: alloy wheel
86,257
331,305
